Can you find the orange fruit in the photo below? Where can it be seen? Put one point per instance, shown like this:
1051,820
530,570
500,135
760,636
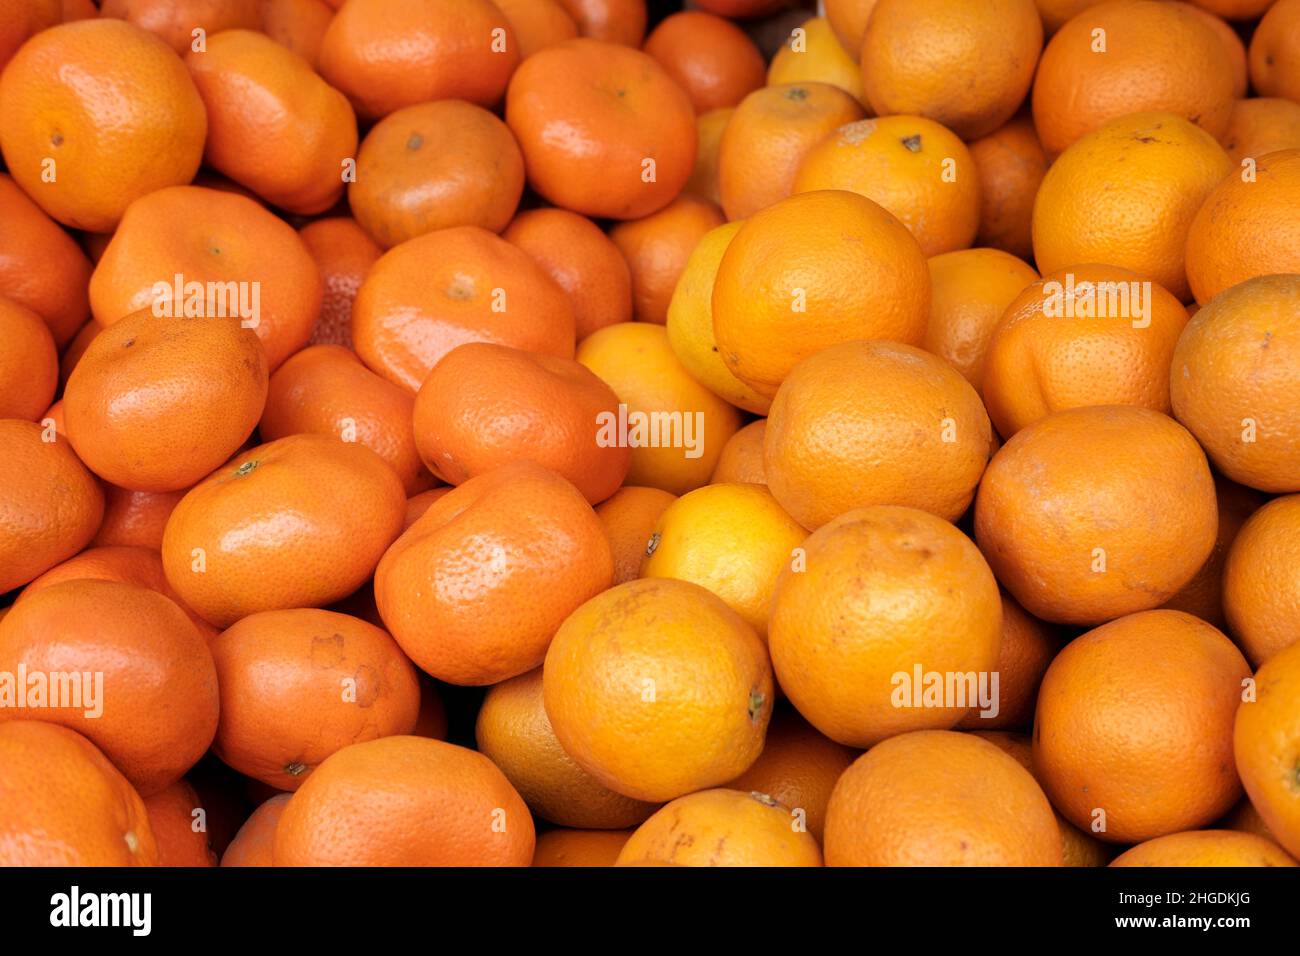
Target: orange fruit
417,505
815,270
1133,734
513,731
797,768
325,390
174,814
1205,848
690,322
1202,596
883,594
1261,579
1026,649
741,8
298,25
135,518
1096,512
604,129
1055,13
657,248
445,288
965,65
849,19
1261,126
1236,50
233,257
733,539
405,801
969,291
722,828
768,136
674,425
29,364
813,54
709,128
629,517
1267,746
433,166
538,24
915,168
1235,381
1010,165
76,348
63,804
710,58
253,844
175,21
875,423
618,21
582,260
657,689
273,124
1223,247
298,685
24,18
50,504
742,456
104,157
579,847
1246,819
344,254
297,522
1131,56
1087,335
386,54
154,710
1275,51
485,405
480,621
41,267
1126,195
938,798
156,403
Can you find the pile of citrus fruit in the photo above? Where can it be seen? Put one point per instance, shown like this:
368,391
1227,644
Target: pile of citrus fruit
584,432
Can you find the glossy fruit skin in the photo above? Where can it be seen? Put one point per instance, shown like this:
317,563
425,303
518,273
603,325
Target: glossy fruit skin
273,124
618,21
485,405
344,254
386,54
657,248
1126,195
586,154
29,364
297,522
701,719
1157,57
445,288
938,798
712,59
967,66
1135,719
172,820
433,166
298,25
538,24
50,504
628,517
155,404
325,390
155,665
1266,742
722,828
41,266
135,518
563,847
811,271
300,684
62,803
1261,579
1234,382
139,127
253,844
513,731
1222,245
1205,848
174,21
837,440
405,801
1261,125
474,590
211,236
1010,163
1275,52
1045,357
1150,516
